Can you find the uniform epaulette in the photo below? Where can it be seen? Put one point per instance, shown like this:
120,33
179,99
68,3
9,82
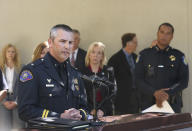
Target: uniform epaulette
146,50
177,51
36,63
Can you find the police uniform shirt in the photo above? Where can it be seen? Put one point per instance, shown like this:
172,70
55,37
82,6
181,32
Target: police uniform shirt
61,69
157,69
42,92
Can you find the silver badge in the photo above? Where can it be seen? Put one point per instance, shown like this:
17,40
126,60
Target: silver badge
62,83
49,80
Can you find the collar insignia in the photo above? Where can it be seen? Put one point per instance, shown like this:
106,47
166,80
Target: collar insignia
49,80
172,57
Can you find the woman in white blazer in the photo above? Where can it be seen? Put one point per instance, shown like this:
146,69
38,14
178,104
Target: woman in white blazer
11,67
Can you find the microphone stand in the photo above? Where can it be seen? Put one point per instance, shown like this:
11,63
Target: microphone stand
95,107
96,81
106,98
95,118
94,103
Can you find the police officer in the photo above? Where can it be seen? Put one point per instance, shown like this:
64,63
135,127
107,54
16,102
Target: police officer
51,87
162,72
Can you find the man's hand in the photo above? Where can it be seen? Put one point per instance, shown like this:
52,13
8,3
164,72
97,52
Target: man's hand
93,112
160,96
10,104
71,114
100,113
154,43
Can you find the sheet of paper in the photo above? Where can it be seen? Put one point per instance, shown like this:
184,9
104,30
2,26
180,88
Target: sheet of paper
165,109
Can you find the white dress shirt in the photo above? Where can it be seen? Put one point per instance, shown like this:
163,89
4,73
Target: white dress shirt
75,54
9,72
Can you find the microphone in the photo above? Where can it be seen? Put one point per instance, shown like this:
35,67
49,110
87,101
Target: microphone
105,80
110,69
92,79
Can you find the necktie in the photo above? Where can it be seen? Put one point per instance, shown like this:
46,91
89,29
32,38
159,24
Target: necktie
63,74
132,68
73,59
131,62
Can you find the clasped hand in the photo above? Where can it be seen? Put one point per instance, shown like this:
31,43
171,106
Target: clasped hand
160,96
71,113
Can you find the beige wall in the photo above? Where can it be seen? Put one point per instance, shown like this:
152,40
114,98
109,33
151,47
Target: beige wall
27,22
188,92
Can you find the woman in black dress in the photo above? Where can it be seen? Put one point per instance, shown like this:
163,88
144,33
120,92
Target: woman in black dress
95,67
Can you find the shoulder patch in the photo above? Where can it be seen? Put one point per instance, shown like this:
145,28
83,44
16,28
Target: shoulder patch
25,76
184,61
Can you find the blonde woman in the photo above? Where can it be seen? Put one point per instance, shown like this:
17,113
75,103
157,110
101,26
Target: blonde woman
10,66
94,62
40,51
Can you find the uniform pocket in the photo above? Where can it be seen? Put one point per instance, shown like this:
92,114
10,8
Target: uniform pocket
51,92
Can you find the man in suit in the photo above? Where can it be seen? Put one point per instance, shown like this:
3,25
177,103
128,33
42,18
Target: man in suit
77,57
123,62
51,87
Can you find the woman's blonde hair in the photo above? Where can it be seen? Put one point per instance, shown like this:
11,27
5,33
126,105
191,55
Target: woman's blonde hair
90,49
38,50
16,59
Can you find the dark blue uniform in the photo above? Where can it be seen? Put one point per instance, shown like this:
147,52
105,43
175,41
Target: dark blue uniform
157,69
42,92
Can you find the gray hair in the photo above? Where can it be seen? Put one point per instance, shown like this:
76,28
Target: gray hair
76,31
53,31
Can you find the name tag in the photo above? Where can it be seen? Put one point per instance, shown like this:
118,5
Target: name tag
49,85
160,66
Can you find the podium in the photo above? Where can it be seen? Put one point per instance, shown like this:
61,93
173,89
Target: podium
140,122
151,122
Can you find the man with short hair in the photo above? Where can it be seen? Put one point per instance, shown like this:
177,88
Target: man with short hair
51,87
123,62
77,57
162,72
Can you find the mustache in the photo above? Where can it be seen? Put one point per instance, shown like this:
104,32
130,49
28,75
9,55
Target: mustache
65,51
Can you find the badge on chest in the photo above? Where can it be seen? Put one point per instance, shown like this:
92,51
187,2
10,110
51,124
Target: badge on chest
75,85
172,58
49,84
150,70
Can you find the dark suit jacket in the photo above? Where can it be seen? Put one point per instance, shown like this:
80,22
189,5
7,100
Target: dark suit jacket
126,98
80,60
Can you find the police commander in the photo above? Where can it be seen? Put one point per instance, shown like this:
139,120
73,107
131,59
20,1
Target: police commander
51,87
